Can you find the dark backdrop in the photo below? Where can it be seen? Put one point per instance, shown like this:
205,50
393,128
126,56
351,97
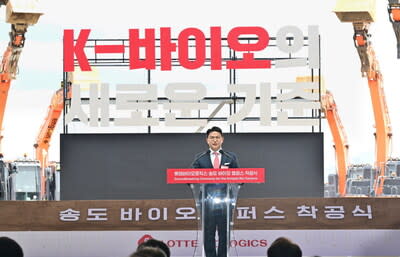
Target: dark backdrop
132,166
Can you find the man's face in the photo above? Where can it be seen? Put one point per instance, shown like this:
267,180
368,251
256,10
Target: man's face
215,140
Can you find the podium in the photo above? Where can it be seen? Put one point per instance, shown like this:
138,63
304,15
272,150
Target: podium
215,192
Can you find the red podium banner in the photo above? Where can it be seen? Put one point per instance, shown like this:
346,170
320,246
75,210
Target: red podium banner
201,176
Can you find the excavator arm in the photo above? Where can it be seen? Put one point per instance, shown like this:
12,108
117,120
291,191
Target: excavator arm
370,69
361,13
19,20
339,138
394,17
43,138
330,110
8,67
46,130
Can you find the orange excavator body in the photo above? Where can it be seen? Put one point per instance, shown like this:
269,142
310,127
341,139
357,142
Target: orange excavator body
8,70
43,138
339,138
394,18
5,82
362,14
20,16
370,69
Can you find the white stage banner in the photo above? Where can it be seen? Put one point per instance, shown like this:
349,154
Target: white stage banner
183,243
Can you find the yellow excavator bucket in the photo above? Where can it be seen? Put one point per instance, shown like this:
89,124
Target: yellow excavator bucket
23,12
356,10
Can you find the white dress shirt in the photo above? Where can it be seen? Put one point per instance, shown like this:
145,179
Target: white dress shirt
212,156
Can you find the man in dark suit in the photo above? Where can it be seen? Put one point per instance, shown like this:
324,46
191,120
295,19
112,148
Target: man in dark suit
215,208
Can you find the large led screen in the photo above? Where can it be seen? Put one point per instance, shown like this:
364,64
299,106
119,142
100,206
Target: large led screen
133,166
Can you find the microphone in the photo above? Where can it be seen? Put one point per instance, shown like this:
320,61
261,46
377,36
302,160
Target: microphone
228,155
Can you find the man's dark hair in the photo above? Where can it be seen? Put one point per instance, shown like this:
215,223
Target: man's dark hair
214,129
283,247
149,252
155,244
10,248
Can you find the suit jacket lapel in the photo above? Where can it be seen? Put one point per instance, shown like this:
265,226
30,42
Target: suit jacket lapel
224,159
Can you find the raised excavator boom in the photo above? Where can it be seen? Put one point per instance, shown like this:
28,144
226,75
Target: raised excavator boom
20,14
339,138
54,112
362,13
394,17
45,133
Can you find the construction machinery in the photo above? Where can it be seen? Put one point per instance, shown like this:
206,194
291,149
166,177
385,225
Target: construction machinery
394,17
336,182
362,13
3,180
360,180
49,171
20,14
349,180
388,184
340,142
24,180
